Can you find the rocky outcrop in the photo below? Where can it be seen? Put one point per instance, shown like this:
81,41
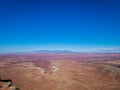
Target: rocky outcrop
7,84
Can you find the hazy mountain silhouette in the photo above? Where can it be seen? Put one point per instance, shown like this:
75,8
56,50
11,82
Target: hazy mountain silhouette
54,51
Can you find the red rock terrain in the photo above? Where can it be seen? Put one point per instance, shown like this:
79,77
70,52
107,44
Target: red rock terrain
72,71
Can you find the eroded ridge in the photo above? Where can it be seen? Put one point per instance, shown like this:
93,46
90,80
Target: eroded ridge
7,84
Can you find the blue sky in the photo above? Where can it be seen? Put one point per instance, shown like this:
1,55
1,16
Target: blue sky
79,25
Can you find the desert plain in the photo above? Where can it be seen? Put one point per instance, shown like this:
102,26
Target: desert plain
60,71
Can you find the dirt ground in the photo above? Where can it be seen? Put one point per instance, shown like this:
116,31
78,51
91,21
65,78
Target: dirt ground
59,74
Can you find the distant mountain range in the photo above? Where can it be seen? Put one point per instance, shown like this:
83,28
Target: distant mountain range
54,51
